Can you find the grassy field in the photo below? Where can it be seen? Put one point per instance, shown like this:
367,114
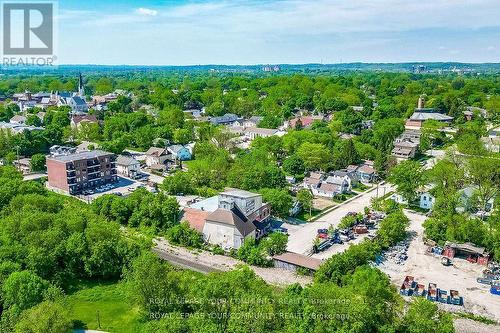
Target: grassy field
117,313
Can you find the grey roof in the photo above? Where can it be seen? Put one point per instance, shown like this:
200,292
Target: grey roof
126,160
228,217
335,180
208,204
154,151
227,118
329,187
84,155
240,193
430,115
78,100
176,148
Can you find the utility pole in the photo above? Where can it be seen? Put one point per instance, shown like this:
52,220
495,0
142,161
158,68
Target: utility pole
98,320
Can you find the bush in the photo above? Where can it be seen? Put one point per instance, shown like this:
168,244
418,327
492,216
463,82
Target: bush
183,234
253,254
275,243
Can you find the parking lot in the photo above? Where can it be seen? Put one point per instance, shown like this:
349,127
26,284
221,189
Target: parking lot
301,237
124,187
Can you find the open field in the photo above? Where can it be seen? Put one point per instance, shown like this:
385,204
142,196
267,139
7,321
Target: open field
461,276
109,302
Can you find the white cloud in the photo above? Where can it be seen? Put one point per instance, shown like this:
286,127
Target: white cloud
146,11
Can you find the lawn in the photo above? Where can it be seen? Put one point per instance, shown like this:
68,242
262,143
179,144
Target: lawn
108,301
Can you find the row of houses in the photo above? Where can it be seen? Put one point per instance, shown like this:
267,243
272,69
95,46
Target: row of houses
337,182
406,145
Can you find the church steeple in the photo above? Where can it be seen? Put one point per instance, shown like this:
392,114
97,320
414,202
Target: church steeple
81,91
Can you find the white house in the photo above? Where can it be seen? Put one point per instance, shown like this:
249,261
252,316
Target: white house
239,215
425,199
127,166
156,156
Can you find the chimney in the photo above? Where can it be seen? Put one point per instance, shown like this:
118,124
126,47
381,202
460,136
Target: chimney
421,102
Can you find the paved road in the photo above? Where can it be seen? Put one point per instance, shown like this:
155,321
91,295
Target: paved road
183,263
301,239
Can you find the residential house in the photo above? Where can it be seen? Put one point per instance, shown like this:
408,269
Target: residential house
227,119
77,120
303,121
366,172
252,121
468,200
230,218
127,166
23,165
157,156
343,180
425,198
406,145
179,152
313,181
18,128
18,119
492,141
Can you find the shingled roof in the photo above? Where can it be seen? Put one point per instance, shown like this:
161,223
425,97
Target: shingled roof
227,217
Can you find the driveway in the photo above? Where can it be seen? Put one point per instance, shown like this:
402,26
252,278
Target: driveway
301,239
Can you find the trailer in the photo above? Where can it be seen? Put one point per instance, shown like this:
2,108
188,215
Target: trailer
432,292
408,286
455,298
442,296
419,290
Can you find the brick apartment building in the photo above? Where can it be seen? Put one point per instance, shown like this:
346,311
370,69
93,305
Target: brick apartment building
75,173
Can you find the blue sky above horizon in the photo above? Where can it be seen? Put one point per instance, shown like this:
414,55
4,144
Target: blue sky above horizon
277,31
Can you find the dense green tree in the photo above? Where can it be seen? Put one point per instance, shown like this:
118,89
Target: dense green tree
408,177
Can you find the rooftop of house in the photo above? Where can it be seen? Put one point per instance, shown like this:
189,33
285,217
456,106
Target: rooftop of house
126,160
176,148
195,217
84,155
83,118
329,187
155,151
227,217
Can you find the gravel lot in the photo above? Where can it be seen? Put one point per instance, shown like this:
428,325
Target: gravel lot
301,237
461,276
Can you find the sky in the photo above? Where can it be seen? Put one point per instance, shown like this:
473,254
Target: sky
116,32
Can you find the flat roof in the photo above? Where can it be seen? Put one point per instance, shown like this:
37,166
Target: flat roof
299,260
239,193
84,155
210,204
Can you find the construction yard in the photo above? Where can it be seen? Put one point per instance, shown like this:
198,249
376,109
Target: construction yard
427,268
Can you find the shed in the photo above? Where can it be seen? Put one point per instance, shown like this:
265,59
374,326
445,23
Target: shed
292,261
